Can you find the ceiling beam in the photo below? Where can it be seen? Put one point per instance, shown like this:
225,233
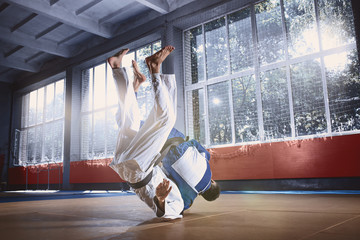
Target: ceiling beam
18,64
61,14
118,12
160,6
52,2
26,40
23,22
3,6
87,6
136,21
46,31
11,52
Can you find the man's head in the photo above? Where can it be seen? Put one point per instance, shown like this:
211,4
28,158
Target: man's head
213,192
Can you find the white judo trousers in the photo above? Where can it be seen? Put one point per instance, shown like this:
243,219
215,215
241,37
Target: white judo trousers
138,148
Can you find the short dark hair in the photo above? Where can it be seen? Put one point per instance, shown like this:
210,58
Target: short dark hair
212,193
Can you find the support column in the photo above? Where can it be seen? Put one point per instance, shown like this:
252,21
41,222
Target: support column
67,129
174,65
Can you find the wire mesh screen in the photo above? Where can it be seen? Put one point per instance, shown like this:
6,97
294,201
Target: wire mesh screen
293,68
42,126
99,103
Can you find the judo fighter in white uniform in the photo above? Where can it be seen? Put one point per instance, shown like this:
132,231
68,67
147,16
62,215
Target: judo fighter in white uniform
138,148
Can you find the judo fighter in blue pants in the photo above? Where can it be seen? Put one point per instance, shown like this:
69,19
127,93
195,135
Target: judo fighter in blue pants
166,172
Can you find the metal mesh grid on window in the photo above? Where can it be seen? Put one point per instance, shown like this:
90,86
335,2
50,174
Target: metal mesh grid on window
245,114
343,83
275,104
42,131
100,103
216,48
307,91
293,67
219,113
194,55
301,27
269,31
240,40
336,23
196,115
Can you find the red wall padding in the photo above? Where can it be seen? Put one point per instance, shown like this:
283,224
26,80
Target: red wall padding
311,158
93,171
36,174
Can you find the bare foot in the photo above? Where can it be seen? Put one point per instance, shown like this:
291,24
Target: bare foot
154,61
115,61
139,78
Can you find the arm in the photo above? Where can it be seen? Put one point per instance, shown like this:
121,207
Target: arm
167,199
162,191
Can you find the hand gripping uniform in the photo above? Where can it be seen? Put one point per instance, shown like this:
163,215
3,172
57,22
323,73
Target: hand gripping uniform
188,165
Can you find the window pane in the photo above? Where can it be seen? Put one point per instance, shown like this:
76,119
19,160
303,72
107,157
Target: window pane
58,140
343,90
48,141
219,113
141,54
196,115
32,108
49,102
38,143
216,48
86,137
156,46
31,145
99,87
25,110
336,23
194,48
245,109
301,27
59,99
23,146
275,103
111,132
308,98
99,134
112,96
240,39
270,33
40,105
145,99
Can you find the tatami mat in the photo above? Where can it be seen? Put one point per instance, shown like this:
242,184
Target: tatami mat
232,216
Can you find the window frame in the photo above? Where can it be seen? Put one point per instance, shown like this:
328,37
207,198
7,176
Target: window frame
256,70
19,109
107,107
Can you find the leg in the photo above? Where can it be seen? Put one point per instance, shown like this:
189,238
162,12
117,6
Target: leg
139,78
128,112
152,135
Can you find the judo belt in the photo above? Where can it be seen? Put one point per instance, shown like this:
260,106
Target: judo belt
176,141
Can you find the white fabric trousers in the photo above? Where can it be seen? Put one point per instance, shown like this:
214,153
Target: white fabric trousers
138,148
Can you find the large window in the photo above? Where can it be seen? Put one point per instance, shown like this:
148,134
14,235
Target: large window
42,125
274,70
99,104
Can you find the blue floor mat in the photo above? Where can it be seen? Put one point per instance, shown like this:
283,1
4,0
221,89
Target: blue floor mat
18,196
295,192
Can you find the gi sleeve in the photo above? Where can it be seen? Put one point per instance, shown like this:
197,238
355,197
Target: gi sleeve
174,204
